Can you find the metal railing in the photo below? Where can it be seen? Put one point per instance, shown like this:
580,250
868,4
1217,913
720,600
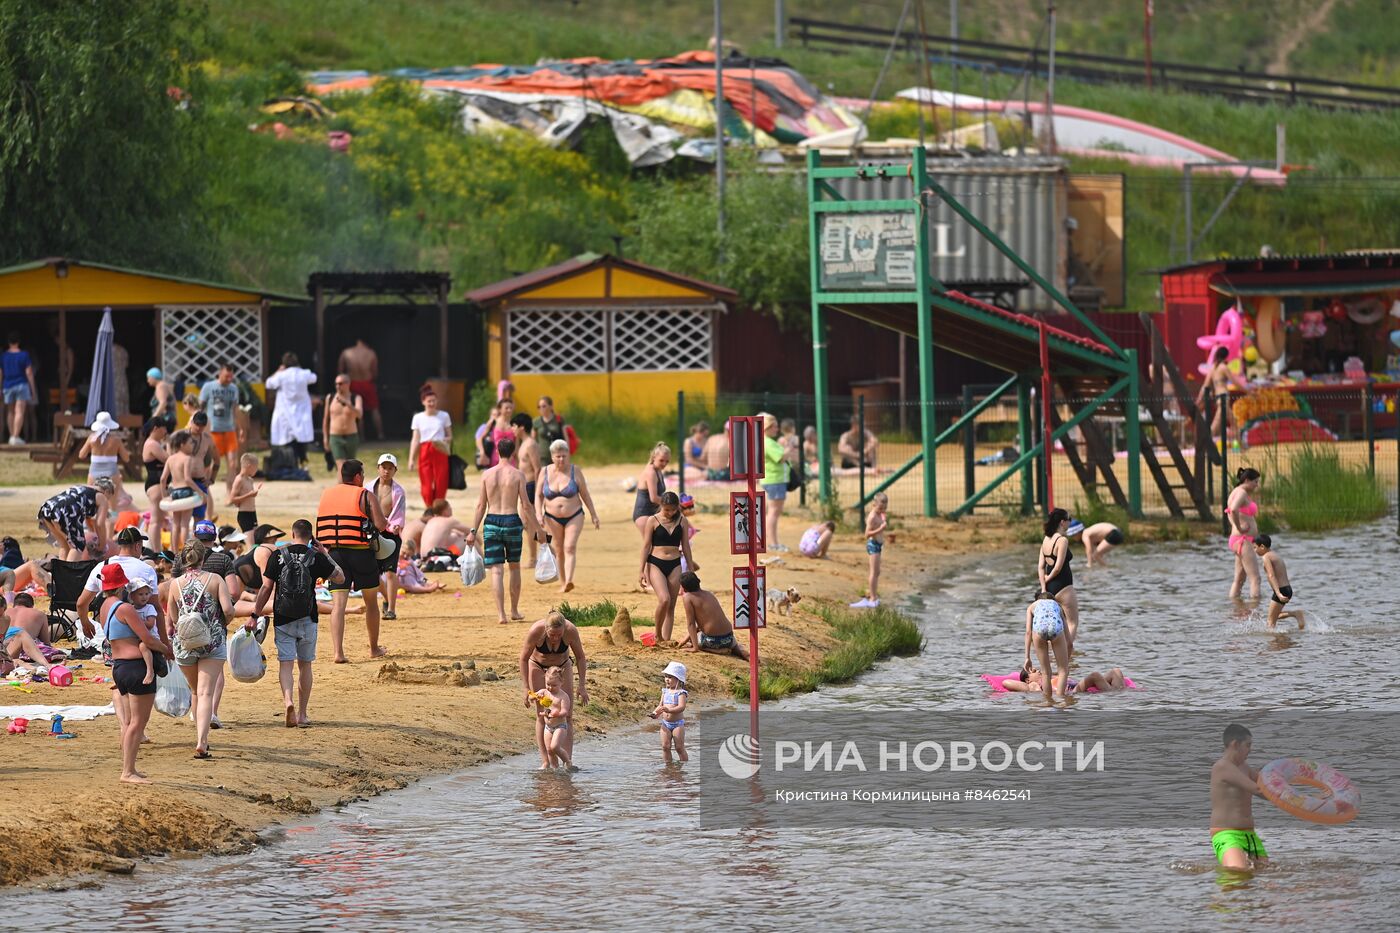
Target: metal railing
1249,86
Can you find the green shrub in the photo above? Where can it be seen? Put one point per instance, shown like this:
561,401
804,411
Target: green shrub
592,614
867,636
1320,492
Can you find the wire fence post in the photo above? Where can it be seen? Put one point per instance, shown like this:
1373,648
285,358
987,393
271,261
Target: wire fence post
1222,401
681,438
801,454
1368,427
969,444
860,409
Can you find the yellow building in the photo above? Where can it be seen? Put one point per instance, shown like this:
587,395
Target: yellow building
184,327
603,333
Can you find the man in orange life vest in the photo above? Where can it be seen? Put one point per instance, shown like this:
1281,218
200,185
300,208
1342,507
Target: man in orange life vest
346,523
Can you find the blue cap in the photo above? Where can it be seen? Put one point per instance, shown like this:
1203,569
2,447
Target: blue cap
204,530
1075,528
154,373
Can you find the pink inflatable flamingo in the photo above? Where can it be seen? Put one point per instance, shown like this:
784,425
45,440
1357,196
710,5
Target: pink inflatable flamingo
1229,333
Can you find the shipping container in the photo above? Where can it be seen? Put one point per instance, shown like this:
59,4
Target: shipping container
1023,201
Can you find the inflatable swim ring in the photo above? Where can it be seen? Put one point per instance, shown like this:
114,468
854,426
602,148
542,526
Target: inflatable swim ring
1366,311
1268,329
1229,333
1310,790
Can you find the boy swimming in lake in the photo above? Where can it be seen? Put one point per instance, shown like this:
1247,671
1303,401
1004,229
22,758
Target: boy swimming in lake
1278,581
1233,785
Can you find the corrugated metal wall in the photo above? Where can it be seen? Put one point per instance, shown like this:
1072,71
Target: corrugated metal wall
1024,201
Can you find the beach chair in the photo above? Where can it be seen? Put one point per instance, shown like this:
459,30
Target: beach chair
69,577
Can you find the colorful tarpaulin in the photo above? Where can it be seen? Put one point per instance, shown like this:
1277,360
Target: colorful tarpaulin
654,107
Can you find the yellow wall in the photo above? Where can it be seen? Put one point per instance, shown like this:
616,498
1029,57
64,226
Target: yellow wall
593,285
641,394
41,288
627,284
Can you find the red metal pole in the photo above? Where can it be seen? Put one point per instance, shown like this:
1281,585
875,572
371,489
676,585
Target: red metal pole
1147,39
1045,431
754,605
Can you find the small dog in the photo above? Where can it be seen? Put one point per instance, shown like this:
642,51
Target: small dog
784,600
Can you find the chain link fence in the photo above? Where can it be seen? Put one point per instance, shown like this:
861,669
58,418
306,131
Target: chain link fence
1325,449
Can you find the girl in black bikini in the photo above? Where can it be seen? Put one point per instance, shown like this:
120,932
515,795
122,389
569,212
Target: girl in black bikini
1053,570
665,539
560,497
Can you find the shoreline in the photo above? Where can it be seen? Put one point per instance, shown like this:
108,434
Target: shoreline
384,724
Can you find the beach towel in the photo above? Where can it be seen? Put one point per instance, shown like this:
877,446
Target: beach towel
69,713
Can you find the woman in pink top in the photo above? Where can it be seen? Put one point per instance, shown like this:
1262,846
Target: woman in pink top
501,428
1242,510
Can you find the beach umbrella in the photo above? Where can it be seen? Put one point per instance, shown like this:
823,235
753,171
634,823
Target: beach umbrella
102,391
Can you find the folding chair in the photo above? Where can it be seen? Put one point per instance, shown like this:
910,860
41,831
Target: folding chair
69,577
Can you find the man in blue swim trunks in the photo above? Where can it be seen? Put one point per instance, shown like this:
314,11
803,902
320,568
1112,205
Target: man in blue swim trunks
708,627
503,505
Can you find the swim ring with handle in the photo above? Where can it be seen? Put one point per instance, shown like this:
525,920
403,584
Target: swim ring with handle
1310,790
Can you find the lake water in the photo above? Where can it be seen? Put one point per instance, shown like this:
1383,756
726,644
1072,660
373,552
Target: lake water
617,845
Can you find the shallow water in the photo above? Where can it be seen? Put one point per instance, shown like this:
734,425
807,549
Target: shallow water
617,845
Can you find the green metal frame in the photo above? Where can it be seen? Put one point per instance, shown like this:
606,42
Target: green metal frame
929,293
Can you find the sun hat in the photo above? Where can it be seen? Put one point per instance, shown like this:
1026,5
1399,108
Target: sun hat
267,533
233,536
138,584
113,577
388,458
104,423
205,530
675,669
154,373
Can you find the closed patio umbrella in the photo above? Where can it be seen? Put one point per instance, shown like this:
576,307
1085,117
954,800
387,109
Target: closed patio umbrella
102,393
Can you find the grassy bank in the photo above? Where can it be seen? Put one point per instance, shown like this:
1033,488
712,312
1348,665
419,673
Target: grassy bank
867,636
1319,492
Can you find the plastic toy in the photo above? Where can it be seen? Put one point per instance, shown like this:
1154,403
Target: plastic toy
57,726
1314,325
18,726
1229,333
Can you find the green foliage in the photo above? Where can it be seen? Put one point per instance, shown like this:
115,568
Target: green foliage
98,143
867,636
1319,492
619,437
591,614
479,401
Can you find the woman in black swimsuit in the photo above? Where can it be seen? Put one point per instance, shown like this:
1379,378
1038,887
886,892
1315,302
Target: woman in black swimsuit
153,457
549,643
1052,569
560,497
665,539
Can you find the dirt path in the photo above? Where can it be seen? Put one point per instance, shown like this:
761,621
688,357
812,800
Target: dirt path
1290,39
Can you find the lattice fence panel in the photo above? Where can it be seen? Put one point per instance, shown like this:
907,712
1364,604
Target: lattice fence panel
661,339
562,340
194,339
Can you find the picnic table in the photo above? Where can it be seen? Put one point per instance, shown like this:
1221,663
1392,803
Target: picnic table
70,433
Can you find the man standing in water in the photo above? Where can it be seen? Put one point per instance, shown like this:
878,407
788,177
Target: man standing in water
1233,785
361,364
502,504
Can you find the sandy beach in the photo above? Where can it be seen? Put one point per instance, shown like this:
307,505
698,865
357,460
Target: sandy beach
379,725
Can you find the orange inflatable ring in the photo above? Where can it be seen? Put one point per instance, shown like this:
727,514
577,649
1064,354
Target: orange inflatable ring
1310,790
1268,329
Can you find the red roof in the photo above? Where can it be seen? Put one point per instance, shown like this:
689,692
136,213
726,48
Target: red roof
1033,323
499,291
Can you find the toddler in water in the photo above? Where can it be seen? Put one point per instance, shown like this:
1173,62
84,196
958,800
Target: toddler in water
875,526
243,495
671,711
1045,631
552,705
1278,581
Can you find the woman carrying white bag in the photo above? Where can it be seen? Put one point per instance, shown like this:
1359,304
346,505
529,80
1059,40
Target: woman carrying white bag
200,604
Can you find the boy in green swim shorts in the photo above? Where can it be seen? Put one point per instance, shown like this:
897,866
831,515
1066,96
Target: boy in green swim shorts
1233,784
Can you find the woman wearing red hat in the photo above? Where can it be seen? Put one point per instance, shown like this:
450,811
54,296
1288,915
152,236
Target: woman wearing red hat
127,632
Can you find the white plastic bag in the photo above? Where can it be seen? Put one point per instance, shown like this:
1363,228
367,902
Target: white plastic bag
473,568
245,657
173,693
546,569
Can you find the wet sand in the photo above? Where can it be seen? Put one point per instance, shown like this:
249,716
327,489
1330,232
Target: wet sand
376,729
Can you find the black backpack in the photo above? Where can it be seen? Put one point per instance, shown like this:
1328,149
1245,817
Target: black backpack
295,584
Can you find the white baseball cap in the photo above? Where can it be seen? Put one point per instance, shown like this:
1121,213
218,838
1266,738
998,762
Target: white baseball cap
675,669
390,459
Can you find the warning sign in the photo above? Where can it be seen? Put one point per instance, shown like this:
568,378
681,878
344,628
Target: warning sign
750,598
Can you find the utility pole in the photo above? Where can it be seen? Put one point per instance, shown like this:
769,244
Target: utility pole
719,120
953,54
1050,89
1147,38
779,23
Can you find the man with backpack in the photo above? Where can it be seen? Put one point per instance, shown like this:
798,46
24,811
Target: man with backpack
294,571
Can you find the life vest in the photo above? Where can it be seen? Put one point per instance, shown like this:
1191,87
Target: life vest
341,519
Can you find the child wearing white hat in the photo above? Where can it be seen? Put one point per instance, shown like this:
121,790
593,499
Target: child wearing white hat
671,711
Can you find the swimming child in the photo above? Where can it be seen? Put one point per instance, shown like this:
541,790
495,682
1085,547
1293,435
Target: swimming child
1030,681
875,526
1233,785
1278,581
552,705
816,540
671,711
243,494
1045,631
1099,538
